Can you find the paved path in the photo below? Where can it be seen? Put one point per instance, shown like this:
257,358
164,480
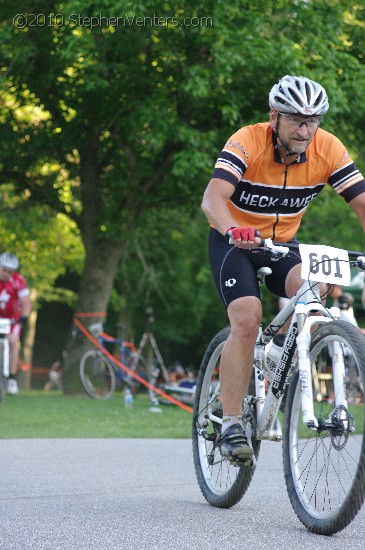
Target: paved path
86,494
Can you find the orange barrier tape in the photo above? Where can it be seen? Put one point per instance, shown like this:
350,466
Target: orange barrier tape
112,340
127,370
92,314
23,366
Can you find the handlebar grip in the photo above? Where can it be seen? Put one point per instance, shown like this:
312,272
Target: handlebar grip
257,234
277,250
262,243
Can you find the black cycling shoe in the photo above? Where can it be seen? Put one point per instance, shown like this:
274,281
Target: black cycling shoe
234,444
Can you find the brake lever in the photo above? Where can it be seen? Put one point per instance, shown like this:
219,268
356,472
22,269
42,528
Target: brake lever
361,263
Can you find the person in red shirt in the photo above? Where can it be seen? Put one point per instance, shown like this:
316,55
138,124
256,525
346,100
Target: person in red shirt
15,304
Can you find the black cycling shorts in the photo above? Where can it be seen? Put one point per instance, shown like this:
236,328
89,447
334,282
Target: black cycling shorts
234,269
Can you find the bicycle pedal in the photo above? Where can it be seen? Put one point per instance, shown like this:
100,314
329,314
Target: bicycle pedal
246,462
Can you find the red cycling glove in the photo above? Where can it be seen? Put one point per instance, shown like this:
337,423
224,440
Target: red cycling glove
242,233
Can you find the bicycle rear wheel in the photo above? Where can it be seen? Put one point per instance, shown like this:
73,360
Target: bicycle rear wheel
221,483
325,466
97,375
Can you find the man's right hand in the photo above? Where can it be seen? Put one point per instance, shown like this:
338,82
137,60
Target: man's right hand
243,237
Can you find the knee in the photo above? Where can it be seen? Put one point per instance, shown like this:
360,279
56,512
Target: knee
245,318
245,328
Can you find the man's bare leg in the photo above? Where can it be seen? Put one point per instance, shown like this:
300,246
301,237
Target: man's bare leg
13,364
235,371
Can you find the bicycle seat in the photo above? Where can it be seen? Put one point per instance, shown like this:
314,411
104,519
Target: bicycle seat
264,271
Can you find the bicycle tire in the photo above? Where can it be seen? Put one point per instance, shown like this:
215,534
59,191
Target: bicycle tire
97,375
325,468
221,483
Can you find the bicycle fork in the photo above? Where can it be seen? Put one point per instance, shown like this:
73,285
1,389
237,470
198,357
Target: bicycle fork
305,372
5,346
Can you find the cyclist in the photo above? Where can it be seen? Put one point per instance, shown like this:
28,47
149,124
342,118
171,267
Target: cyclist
15,305
263,181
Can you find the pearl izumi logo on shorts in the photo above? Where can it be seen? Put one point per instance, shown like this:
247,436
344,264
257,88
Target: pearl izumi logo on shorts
230,282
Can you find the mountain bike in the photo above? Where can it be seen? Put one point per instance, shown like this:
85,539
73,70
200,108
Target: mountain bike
323,441
100,376
4,354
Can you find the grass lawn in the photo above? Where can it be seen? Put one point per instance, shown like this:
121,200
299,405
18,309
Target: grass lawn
40,414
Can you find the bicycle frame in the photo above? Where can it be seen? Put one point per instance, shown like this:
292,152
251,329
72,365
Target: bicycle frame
4,331
305,301
126,350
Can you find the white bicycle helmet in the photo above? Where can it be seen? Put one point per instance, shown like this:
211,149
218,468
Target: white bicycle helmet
298,95
9,261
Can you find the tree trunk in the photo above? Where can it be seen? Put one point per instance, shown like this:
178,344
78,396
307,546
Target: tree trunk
95,289
101,261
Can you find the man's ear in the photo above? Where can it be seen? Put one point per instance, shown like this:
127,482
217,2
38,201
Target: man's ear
273,118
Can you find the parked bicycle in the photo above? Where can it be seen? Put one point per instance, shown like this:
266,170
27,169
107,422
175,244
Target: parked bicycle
323,442
99,375
4,355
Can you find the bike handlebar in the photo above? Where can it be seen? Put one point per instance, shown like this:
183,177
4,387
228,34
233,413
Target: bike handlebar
277,250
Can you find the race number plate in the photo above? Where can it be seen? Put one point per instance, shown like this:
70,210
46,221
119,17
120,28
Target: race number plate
4,326
325,264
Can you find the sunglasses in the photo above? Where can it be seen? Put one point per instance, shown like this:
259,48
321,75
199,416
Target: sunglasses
298,121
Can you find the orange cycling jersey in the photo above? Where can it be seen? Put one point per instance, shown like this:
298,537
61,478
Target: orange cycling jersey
271,196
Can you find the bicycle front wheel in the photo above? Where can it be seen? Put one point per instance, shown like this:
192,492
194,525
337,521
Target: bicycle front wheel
97,375
221,483
2,377
325,466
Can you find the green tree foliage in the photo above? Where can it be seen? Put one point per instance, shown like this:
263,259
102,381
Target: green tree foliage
47,244
116,124
172,275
